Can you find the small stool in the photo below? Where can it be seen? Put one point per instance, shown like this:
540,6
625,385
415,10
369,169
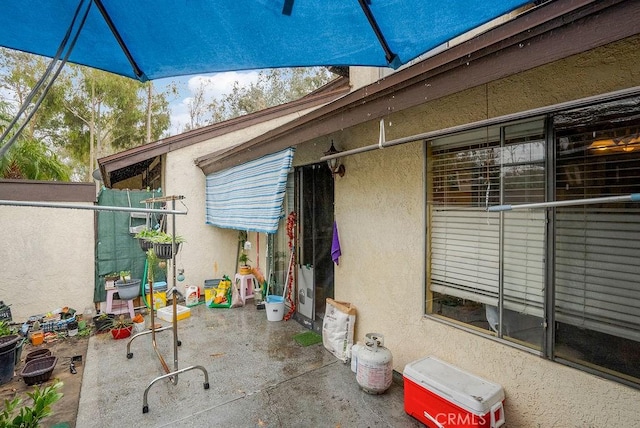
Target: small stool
121,308
246,286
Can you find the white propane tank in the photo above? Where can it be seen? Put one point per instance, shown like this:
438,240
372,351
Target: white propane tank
374,369
354,356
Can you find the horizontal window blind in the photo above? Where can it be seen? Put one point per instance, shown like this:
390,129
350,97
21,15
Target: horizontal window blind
597,269
523,261
523,181
465,253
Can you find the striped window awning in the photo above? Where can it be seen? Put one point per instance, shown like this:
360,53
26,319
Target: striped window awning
249,196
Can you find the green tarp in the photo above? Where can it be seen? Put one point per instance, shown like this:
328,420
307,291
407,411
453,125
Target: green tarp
116,248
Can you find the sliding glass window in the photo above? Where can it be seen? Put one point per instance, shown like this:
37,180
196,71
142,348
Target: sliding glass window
562,279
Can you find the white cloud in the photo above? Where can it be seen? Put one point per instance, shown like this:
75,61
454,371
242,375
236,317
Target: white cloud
216,85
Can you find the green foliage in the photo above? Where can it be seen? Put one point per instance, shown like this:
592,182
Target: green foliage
244,258
33,160
273,87
124,274
152,262
147,234
14,416
165,238
120,322
29,158
6,329
86,114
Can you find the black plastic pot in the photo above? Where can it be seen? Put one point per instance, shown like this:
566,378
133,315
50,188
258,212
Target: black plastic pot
103,324
164,251
145,244
8,342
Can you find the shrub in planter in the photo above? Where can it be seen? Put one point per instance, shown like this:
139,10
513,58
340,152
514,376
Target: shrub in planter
121,327
163,244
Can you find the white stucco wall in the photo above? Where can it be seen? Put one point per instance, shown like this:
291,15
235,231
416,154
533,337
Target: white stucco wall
379,206
208,246
47,259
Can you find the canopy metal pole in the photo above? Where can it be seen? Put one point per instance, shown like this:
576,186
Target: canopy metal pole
634,197
89,207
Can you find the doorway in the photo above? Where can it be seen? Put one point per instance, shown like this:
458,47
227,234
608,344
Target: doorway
314,205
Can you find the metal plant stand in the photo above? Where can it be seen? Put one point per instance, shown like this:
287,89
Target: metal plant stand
171,375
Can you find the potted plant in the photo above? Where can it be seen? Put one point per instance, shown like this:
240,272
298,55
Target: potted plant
121,327
145,238
127,288
110,279
103,321
163,244
138,323
245,269
8,337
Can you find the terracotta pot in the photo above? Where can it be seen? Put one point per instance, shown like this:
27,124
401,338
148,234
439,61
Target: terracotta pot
121,333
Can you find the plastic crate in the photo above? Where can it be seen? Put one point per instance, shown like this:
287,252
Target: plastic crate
5,312
58,325
166,313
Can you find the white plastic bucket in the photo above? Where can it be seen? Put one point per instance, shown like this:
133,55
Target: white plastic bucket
274,305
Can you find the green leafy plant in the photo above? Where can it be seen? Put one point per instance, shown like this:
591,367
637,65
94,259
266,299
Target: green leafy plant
120,322
6,329
125,275
103,316
152,261
147,234
30,416
244,259
165,238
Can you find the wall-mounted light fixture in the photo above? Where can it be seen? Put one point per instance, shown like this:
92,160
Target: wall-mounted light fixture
335,166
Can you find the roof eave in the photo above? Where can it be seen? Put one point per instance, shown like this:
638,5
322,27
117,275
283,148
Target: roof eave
554,30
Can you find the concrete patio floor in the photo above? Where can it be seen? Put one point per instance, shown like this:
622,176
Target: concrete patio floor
258,376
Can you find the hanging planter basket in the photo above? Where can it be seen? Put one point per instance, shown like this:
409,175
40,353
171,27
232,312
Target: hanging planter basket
164,250
145,244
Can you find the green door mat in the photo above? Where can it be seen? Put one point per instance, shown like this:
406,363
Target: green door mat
307,338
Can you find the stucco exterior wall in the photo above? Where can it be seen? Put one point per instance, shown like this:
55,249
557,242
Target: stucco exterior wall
47,259
379,208
207,246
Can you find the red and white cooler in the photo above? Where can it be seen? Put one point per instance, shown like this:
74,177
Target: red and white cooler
442,396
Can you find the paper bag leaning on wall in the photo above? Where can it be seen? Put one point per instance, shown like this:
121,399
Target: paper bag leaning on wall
337,328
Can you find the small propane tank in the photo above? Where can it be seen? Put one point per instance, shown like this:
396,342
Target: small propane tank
355,348
374,368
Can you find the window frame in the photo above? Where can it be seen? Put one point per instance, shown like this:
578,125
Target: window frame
548,343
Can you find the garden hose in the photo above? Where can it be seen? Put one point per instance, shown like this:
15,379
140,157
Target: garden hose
142,283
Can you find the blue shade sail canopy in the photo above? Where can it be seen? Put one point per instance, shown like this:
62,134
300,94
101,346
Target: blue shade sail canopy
249,196
151,39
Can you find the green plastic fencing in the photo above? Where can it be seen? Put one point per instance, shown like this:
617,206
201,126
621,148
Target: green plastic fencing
116,248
